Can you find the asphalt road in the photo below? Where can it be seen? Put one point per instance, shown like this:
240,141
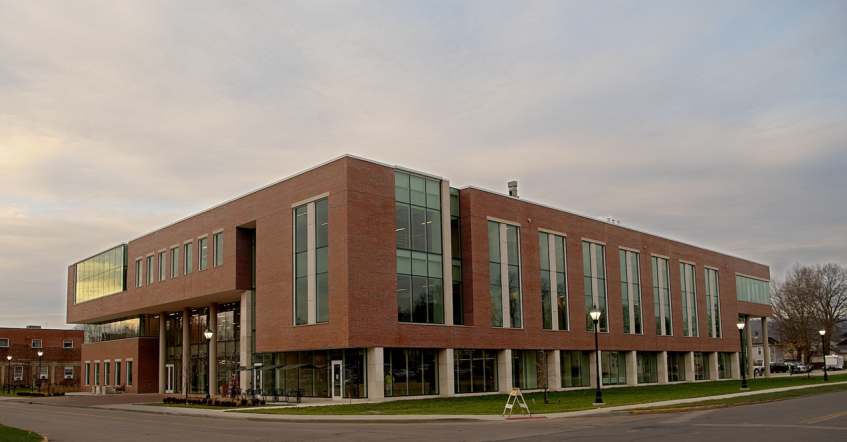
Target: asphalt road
822,417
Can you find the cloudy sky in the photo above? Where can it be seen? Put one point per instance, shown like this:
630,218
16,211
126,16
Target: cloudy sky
723,124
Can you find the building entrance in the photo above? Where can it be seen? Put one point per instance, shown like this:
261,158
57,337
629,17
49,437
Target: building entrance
169,385
337,381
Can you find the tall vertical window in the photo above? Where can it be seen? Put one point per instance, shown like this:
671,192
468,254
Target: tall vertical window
151,270
594,276
689,300
420,286
701,366
139,272
614,367
174,262
713,304
219,248
162,266
505,270
554,292
662,296
189,257
631,291
106,377
456,244
647,367
311,263
87,373
97,373
203,249
117,372
676,367
129,373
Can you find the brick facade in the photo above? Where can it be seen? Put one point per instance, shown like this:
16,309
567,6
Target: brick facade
55,356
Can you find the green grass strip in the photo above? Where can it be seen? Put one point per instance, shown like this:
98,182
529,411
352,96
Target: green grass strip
9,434
753,399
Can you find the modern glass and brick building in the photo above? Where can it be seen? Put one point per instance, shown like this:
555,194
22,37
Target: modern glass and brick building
363,280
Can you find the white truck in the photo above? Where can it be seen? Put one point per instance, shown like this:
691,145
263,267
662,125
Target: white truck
834,362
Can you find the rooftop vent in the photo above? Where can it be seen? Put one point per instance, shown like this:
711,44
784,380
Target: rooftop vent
513,189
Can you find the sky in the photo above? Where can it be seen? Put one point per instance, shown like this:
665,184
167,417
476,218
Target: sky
719,123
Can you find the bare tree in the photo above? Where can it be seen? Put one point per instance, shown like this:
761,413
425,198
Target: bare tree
830,298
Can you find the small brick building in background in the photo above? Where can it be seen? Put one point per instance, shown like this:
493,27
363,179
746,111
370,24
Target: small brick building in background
60,362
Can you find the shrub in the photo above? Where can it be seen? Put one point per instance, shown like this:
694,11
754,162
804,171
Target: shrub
244,402
262,402
216,402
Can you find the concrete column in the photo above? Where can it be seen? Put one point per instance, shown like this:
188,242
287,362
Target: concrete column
714,370
554,370
447,256
631,368
213,349
767,346
662,366
593,370
688,359
186,353
376,372
246,340
504,370
749,338
163,352
735,360
446,372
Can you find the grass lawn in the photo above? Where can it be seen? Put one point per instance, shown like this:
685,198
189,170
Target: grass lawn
210,407
9,434
568,400
764,397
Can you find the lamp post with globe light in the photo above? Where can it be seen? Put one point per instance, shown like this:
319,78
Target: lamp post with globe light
8,373
208,335
743,365
823,352
595,316
40,354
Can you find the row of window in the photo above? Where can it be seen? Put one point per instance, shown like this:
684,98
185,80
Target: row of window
157,270
43,373
37,343
108,373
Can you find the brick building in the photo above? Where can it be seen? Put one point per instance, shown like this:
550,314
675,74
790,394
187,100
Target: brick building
60,360
359,279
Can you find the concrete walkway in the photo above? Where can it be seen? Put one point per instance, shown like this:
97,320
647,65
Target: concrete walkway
117,405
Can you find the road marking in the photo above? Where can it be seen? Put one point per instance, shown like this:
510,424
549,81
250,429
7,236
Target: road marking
119,418
816,427
823,418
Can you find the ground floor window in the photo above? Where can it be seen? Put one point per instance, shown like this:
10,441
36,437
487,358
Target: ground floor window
69,372
117,372
701,366
129,373
647,366
574,367
614,367
410,372
19,372
676,367
475,370
528,369
87,373
308,371
724,365
97,374
106,373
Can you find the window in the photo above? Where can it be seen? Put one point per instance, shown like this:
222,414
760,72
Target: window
69,373
647,367
203,258
162,266
311,277
68,343
106,367
129,373
174,262
724,365
87,379
36,343
100,275
410,372
150,270
676,367
631,291
689,300
117,372
527,369
759,351
505,271
456,244
553,277
188,257
43,372
218,239
594,275
713,305
662,296
614,367
750,289
420,286
19,372
701,366
475,370
574,368
96,373
139,269
4,342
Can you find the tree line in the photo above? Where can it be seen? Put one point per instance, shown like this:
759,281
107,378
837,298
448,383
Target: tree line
808,299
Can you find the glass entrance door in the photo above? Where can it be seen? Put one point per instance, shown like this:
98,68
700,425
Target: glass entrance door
169,384
337,381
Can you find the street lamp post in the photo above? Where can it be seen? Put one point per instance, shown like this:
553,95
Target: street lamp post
823,352
743,365
40,354
595,316
8,373
208,335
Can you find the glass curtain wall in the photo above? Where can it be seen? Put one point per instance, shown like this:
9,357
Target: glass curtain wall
527,369
662,296
724,365
631,291
676,367
689,300
647,366
101,275
575,368
138,327
594,276
410,372
614,367
752,290
197,367
314,382
475,370
420,293
173,338
456,244
701,366
713,304
229,345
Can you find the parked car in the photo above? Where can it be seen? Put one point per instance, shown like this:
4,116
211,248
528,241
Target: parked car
776,367
798,367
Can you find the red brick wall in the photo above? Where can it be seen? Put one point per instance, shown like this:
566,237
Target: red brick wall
20,348
145,355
